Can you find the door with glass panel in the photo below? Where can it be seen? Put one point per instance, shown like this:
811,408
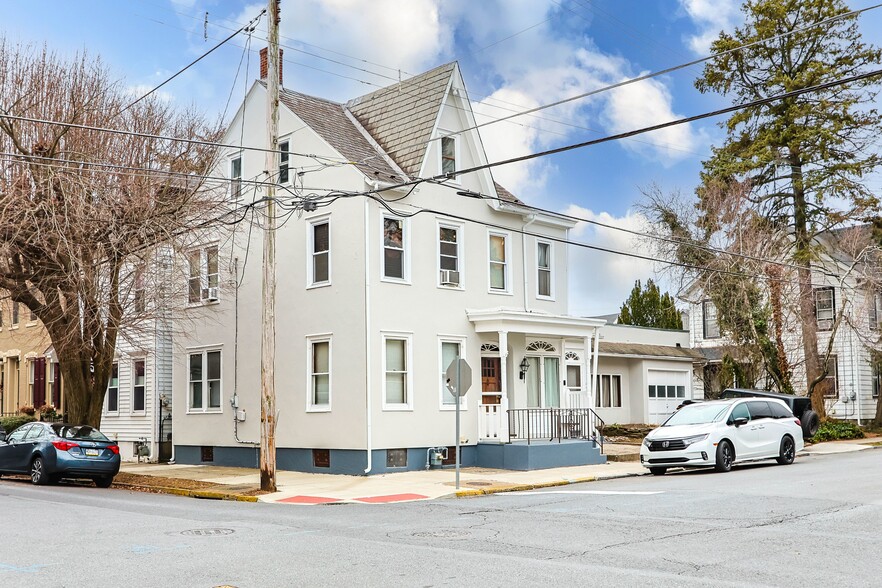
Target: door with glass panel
543,382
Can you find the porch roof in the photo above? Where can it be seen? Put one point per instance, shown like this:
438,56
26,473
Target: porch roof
493,320
640,350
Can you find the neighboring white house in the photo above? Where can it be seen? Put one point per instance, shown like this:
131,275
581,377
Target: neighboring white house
376,295
854,381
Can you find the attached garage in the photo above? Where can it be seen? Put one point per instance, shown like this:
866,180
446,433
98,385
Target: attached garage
666,389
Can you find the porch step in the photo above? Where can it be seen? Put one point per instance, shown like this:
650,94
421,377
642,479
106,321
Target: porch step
538,455
623,457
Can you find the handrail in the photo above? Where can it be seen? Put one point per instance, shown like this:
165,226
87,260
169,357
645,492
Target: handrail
555,423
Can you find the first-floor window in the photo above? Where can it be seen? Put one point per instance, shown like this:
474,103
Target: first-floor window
831,380
205,380
877,379
320,374
450,350
396,371
138,384
609,391
113,389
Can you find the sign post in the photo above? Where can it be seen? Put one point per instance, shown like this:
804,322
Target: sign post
458,381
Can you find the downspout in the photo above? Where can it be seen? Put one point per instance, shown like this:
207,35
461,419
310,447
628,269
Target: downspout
157,405
855,380
367,332
529,221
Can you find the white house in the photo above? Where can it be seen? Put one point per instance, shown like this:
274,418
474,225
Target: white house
839,293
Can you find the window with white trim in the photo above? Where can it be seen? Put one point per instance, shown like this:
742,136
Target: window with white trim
875,310
498,262
15,308
825,307
203,275
449,349
449,254
319,358
544,281
449,152
139,298
113,389
284,157
396,372
139,372
320,252
831,380
609,391
709,318
877,379
236,177
394,248
204,377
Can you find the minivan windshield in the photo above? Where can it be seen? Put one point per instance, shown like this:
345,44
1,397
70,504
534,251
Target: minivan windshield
697,414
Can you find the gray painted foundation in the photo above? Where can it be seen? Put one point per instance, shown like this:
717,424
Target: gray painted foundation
539,455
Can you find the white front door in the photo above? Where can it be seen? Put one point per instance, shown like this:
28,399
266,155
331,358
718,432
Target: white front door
543,382
666,390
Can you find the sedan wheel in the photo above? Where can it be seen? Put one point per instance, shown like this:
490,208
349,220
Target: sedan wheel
725,457
787,452
104,481
39,475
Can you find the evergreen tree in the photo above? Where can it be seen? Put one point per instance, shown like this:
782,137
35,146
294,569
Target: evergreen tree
647,307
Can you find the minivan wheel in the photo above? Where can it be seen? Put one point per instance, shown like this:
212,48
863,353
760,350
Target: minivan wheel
39,476
104,481
658,471
725,457
787,452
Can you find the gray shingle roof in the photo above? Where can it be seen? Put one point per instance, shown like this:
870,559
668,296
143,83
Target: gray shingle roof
329,120
401,117
640,349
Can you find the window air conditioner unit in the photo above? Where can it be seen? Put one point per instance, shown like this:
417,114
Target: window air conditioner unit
209,294
449,278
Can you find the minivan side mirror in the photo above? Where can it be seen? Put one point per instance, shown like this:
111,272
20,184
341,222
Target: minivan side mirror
2,436
740,421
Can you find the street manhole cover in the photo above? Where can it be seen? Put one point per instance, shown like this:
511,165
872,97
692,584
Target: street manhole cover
207,532
443,534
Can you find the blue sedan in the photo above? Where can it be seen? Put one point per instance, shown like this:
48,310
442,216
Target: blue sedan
51,451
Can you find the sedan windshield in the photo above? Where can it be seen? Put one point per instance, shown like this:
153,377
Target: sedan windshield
697,414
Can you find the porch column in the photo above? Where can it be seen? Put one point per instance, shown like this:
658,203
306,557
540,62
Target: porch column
585,390
503,385
593,398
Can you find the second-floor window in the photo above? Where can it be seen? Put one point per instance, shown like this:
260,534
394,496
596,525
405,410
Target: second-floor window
283,161
140,302
393,248
203,276
498,262
877,379
320,253
709,315
875,310
825,308
543,268
113,389
448,155
15,313
449,251
236,178
139,371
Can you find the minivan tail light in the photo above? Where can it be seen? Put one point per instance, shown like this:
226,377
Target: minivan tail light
64,445
114,449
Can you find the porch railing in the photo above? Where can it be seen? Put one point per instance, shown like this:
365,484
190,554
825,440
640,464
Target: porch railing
555,423
490,423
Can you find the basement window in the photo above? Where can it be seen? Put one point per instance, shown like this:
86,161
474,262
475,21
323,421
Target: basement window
321,458
207,453
396,458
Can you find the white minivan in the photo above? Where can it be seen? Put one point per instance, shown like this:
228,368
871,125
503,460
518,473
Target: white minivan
720,433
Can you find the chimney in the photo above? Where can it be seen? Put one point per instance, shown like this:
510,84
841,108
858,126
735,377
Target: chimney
264,63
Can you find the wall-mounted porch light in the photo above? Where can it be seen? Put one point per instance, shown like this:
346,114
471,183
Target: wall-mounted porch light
524,367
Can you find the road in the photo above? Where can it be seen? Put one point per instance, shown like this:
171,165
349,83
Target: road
815,523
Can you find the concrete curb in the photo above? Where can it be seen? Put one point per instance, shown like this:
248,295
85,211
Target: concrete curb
522,487
204,494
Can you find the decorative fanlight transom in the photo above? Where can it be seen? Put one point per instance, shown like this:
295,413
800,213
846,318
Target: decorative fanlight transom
540,346
572,356
490,347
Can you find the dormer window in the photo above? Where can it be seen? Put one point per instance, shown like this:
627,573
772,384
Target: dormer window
236,178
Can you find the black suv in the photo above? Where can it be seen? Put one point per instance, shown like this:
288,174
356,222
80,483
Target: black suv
800,406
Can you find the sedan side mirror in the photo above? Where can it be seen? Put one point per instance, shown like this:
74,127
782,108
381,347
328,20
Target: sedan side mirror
740,421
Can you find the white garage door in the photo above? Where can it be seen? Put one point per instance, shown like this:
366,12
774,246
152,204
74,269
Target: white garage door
665,392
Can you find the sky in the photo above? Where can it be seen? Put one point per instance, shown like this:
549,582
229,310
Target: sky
513,54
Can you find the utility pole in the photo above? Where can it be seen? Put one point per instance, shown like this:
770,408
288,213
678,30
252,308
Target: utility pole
268,341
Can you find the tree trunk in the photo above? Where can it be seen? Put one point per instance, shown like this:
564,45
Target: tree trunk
82,405
786,385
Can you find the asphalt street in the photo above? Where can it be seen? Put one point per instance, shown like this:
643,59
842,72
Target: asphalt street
816,522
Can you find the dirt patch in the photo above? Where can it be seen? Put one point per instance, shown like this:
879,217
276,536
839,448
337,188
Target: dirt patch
184,484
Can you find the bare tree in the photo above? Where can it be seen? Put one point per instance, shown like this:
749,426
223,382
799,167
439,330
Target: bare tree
83,211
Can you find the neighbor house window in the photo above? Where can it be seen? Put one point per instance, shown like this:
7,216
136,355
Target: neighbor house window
877,379
236,178
204,370
15,313
32,316
320,252
319,373
450,350
113,389
709,316
609,391
394,248
498,256
396,382
448,155
283,161
825,308
138,288
138,384
449,251
875,310
543,267
831,380
203,275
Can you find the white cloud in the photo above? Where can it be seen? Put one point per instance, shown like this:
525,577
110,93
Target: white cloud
710,17
601,281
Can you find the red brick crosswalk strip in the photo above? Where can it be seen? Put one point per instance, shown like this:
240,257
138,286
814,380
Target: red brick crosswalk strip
392,498
308,500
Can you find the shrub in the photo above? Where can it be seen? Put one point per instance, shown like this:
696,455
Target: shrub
11,423
28,410
832,430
